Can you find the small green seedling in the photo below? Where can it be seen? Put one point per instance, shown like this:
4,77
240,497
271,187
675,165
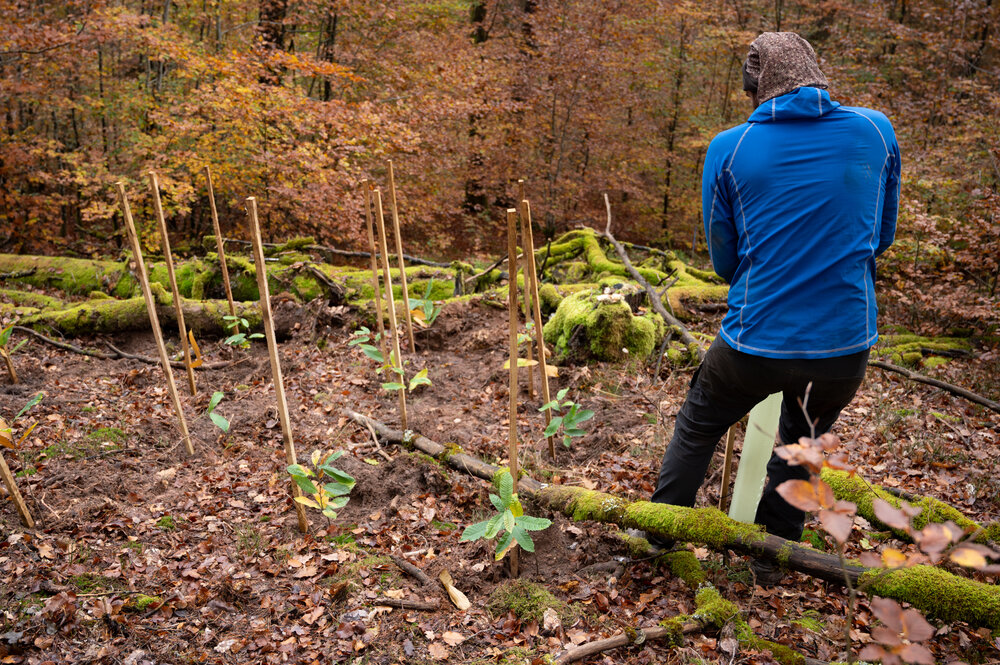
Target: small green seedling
424,310
569,421
510,521
329,497
7,431
239,337
362,339
220,421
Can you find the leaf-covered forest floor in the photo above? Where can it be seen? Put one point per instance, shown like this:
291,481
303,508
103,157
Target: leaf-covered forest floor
145,555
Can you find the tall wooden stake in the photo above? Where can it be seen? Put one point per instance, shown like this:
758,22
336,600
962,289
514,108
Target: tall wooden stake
219,245
8,480
178,306
399,254
512,313
727,469
366,185
154,320
272,352
527,290
397,359
529,244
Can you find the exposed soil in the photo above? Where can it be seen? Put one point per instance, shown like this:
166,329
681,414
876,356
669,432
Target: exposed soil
122,510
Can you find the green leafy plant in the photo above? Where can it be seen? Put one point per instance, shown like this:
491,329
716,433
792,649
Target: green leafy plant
329,497
510,521
7,430
424,310
567,416
239,338
220,421
363,338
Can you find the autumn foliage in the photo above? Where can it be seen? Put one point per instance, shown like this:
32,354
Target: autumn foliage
295,101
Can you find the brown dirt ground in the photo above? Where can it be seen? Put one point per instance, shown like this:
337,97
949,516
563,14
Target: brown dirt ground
122,510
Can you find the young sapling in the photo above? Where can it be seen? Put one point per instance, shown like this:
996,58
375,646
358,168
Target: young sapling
329,497
509,521
239,338
568,416
220,421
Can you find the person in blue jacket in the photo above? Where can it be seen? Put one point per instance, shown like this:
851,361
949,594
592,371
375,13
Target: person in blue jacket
798,202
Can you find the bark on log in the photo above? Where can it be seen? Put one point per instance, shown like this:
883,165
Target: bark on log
932,590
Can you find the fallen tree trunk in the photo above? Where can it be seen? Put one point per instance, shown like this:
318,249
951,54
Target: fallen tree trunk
858,491
110,315
932,590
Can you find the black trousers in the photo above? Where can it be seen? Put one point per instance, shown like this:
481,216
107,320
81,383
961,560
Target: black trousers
723,390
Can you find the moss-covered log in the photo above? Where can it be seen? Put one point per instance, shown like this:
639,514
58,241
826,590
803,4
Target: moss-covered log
200,279
855,489
934,591
111,315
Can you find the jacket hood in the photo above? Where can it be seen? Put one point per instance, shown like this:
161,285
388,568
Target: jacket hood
799,104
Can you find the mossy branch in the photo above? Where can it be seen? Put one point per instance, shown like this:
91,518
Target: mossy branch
857,490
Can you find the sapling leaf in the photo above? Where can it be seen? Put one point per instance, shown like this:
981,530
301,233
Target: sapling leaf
26,433
562,394
475,531
306,484
220,421
567,441
329,513
5,335
299,470
523,539
392,385
31,403
516,509
420,379
257,336
549,405
583,416
214,402
337,489
553,426
493,526
506,487
338,475
497,503
574,431
18,346
533,523
306,501
339,501
504,545
508,520
372,353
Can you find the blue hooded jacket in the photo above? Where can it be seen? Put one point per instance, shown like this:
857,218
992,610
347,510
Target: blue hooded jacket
798,201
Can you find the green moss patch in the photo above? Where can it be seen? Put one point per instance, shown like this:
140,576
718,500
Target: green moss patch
528,601
602,328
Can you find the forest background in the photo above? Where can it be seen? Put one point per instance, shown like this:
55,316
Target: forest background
296,101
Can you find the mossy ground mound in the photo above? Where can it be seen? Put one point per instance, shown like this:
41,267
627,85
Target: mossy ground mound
602,326
528,601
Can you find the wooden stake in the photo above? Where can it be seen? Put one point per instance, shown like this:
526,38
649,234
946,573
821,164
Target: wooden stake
529,244
527,290
8,480
11,371
512,314
272,352
219,245
366,184
178,306
727,468
399,254
397,358
154,320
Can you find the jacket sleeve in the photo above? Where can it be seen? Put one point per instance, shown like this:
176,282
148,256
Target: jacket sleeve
890,204
717,211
